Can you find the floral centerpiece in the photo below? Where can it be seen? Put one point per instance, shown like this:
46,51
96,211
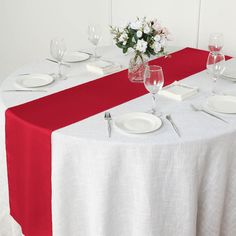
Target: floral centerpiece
145,37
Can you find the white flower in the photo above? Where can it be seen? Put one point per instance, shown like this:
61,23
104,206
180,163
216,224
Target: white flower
157,47
163,42
123,37
156,25
165,31
124,43
146,29
137,25
141,46
157,38
139,33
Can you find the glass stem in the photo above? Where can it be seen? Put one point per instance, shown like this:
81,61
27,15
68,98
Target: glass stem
59,69
214,85
154,103
95,52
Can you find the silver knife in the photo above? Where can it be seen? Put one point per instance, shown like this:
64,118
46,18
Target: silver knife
168,117
24,90
48,59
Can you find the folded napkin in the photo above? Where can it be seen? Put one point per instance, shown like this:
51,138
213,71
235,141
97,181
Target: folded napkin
178,91
103,67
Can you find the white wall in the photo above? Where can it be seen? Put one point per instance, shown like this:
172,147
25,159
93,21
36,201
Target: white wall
27,26
218,16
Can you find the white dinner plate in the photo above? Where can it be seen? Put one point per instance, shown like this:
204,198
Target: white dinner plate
222,104
34,80
72,57
137,123
230,73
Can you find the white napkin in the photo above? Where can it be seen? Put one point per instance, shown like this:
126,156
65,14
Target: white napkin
103,67
178,91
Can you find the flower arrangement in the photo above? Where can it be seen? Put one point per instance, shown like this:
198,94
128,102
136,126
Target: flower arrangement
145,37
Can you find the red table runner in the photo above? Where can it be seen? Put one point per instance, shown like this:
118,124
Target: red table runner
29,127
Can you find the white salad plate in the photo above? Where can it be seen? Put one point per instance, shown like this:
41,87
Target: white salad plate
222,104
34,80
72,57
137,122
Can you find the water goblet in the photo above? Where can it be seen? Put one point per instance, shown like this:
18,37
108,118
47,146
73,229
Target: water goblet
58,49
94,36
215,66
216,42
153,82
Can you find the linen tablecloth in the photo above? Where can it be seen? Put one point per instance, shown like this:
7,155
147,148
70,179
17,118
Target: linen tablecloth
146,185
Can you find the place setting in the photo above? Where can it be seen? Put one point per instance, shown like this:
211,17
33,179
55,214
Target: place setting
218,101
149,121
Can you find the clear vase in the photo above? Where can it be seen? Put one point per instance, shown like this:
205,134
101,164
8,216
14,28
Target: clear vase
136,68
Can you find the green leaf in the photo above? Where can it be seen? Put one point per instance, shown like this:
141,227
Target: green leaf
125,50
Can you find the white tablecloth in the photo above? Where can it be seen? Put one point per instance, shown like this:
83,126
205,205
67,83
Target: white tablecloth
140,185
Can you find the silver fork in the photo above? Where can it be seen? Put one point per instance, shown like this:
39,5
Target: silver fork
168,117
207,112
108,118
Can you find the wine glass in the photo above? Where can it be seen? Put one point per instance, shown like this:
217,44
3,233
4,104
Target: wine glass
153,82
215,66
216,42
94,36
58,49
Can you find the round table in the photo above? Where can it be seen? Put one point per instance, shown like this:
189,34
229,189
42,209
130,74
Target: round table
140,185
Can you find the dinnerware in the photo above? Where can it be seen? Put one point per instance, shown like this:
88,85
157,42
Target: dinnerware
73,57
195,108
215,66
89,53
222,104
169,118
108,118
216,42
63,64
34,80
94,36
153,82
137,122
230,74
58,49
24,90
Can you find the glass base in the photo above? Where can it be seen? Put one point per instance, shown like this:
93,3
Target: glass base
59,77
155,113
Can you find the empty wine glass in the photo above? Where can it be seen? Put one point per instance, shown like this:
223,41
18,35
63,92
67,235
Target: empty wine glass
153,82
58,49
216,42
215,66
94,36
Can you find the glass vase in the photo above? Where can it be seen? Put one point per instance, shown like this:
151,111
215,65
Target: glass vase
136,67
